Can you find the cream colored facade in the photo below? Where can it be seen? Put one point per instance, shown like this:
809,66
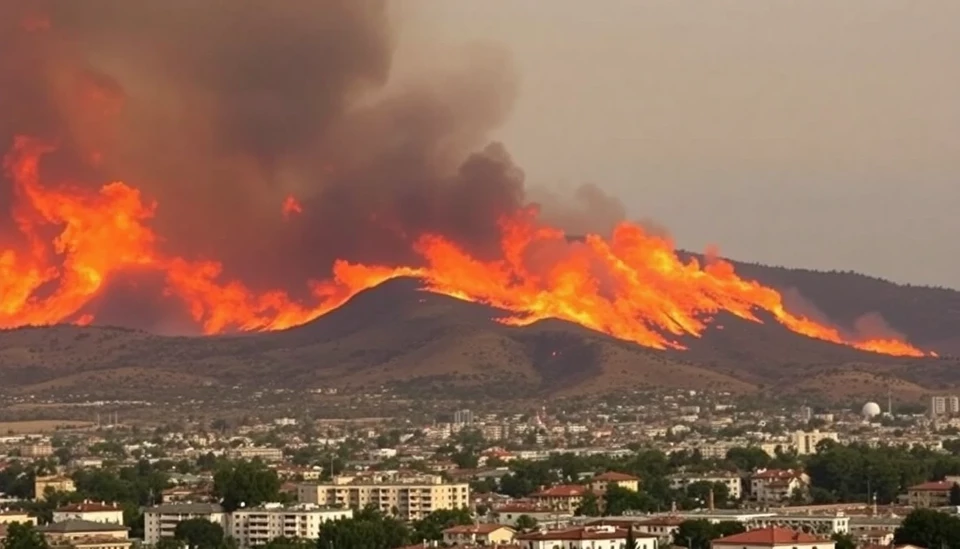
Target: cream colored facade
9,517
805,442
160,521
55,483
412,497
257,526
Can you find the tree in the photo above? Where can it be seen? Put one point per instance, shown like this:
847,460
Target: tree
844,541
431,527
526,522
368,529
929,528
246,482
589,505
199,533
23,536
694,534
955,494
168,543
631,541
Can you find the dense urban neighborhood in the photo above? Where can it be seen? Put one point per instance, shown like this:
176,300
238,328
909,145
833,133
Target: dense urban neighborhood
643,470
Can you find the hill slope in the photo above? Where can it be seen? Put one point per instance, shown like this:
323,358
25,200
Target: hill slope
396,334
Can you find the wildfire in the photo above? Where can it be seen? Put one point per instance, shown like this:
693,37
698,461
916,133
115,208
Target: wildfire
631,286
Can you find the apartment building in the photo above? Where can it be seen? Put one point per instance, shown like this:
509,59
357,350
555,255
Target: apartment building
160,521
944,405
92,511
263,453
41,485
258,525
931,494
806,443
584,537
600,482
411,498
84,534
732,481
36,450
777,485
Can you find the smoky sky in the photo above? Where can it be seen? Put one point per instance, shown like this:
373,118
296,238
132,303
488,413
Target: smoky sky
218,109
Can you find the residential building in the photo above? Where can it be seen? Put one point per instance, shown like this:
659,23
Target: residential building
478,534
509,513
600,482
92,511
663,527
53,483
463,417
263,453
941,405
825,524
85,534
563,497
413,497
584,537
805,442
768,538
36,450
258,525
731,480
160,521
776,485
9,517
931,494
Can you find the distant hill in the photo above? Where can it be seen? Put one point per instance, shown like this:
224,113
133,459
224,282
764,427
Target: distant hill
397,334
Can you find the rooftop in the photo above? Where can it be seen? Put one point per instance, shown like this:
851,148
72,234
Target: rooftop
771,536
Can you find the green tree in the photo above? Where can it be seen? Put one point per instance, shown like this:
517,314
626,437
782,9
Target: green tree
748,459
431,527
631,541
694,534
526,522
199,533
955,494
169,543
929,528
368,529
589,505
246,482
844,541
23,536
289,543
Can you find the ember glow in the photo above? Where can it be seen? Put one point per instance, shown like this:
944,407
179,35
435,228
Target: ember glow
291,207
631,286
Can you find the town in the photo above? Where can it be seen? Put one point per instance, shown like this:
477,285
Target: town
638,469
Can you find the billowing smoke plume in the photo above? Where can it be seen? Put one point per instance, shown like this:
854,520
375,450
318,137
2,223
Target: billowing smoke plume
220,109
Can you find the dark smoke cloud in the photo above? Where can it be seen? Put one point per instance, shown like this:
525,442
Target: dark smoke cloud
218,109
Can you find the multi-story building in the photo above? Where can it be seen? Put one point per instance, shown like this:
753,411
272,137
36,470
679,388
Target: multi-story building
258,525
600,482
9,517
584,537
36,450
732,481
771,538
805,442
256,452
84,534
776,485
478,534
931,494
463,417
160,521
41,485
564,497
92,511
411,498
941,405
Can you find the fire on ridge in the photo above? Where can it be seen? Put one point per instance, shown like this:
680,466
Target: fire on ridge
631,286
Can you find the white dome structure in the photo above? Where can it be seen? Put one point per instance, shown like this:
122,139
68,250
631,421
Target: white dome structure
870,410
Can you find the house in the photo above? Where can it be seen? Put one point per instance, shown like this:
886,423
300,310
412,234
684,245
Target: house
584,537
9,517
600,482
52,483
767,538
85,534
108,513
931,494
509,513
478,534
663,527
732,481
777,485
563,497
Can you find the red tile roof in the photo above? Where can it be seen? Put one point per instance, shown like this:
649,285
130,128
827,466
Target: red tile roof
935,486
475,529
562,491
768,536
613,476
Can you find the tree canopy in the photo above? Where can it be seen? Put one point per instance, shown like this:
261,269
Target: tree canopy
246,483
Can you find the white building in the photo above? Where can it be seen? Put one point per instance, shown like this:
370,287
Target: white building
253,452
769,538
584,537
805,443
413,497
258,525
90,511
732,481
161,521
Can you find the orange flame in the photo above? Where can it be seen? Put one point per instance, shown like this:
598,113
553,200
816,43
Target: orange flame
291,207
631,286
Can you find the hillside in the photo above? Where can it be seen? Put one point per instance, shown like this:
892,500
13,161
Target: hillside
396,334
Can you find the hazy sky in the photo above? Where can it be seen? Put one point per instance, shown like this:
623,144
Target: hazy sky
823,134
